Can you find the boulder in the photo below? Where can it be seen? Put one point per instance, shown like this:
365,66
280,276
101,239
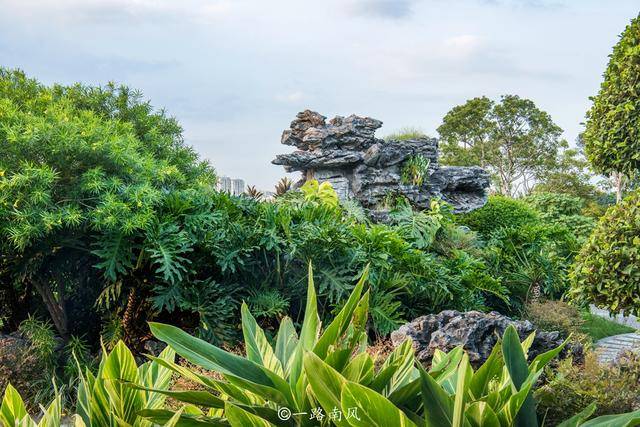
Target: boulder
345,152
18,363
476,332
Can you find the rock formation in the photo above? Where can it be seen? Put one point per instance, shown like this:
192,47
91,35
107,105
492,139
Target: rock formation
477,332
345,152
19,364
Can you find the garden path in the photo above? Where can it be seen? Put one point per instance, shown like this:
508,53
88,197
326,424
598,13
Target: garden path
609,348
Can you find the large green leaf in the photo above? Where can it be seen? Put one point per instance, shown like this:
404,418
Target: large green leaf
12,408
480,414
464,376
52,416
579,418
397,370
489,370
370,409
238,370
438,405
154,375
326,384
342,320
308,337
516,363
238,417
622,420
541,360
119,367
230,390
286,341
359,369
195,397
311,322
256,345
162,416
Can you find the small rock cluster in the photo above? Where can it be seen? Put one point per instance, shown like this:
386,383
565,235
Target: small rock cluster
476,332
345,152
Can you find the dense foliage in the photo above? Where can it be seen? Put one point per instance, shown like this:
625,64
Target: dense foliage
321,375
564,210
612,135
529,256
89,177
607,270
499,212
613,389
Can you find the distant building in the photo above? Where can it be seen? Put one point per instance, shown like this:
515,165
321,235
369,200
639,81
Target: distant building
224,184
237,186
233,186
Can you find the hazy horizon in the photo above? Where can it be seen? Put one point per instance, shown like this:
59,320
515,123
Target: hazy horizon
235,73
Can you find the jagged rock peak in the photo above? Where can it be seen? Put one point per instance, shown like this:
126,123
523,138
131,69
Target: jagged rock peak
310,131
345,152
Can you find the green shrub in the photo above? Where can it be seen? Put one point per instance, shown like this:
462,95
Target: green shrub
554,316
612,133
532,260
607,270
563,209
613,389
499,212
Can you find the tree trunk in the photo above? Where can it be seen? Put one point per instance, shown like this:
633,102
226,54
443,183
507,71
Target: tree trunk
55,308
619,179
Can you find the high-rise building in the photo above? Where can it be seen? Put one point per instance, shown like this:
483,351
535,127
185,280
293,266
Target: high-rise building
237,186
224,184
233,186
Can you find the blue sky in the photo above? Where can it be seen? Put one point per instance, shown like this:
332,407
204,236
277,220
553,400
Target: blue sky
235,73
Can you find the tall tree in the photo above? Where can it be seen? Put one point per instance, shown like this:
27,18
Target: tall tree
570,175
612,135
515,140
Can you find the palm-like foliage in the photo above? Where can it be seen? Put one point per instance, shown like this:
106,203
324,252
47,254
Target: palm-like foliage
254,193
283,186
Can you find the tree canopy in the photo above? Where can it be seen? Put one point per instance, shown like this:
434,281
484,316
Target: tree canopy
515,140
81,167
612,134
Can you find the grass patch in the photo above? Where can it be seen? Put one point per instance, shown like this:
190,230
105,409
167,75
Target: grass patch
405,134
598,327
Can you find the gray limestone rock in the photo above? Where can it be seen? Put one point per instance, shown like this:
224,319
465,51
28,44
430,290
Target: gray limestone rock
345,152
476,332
